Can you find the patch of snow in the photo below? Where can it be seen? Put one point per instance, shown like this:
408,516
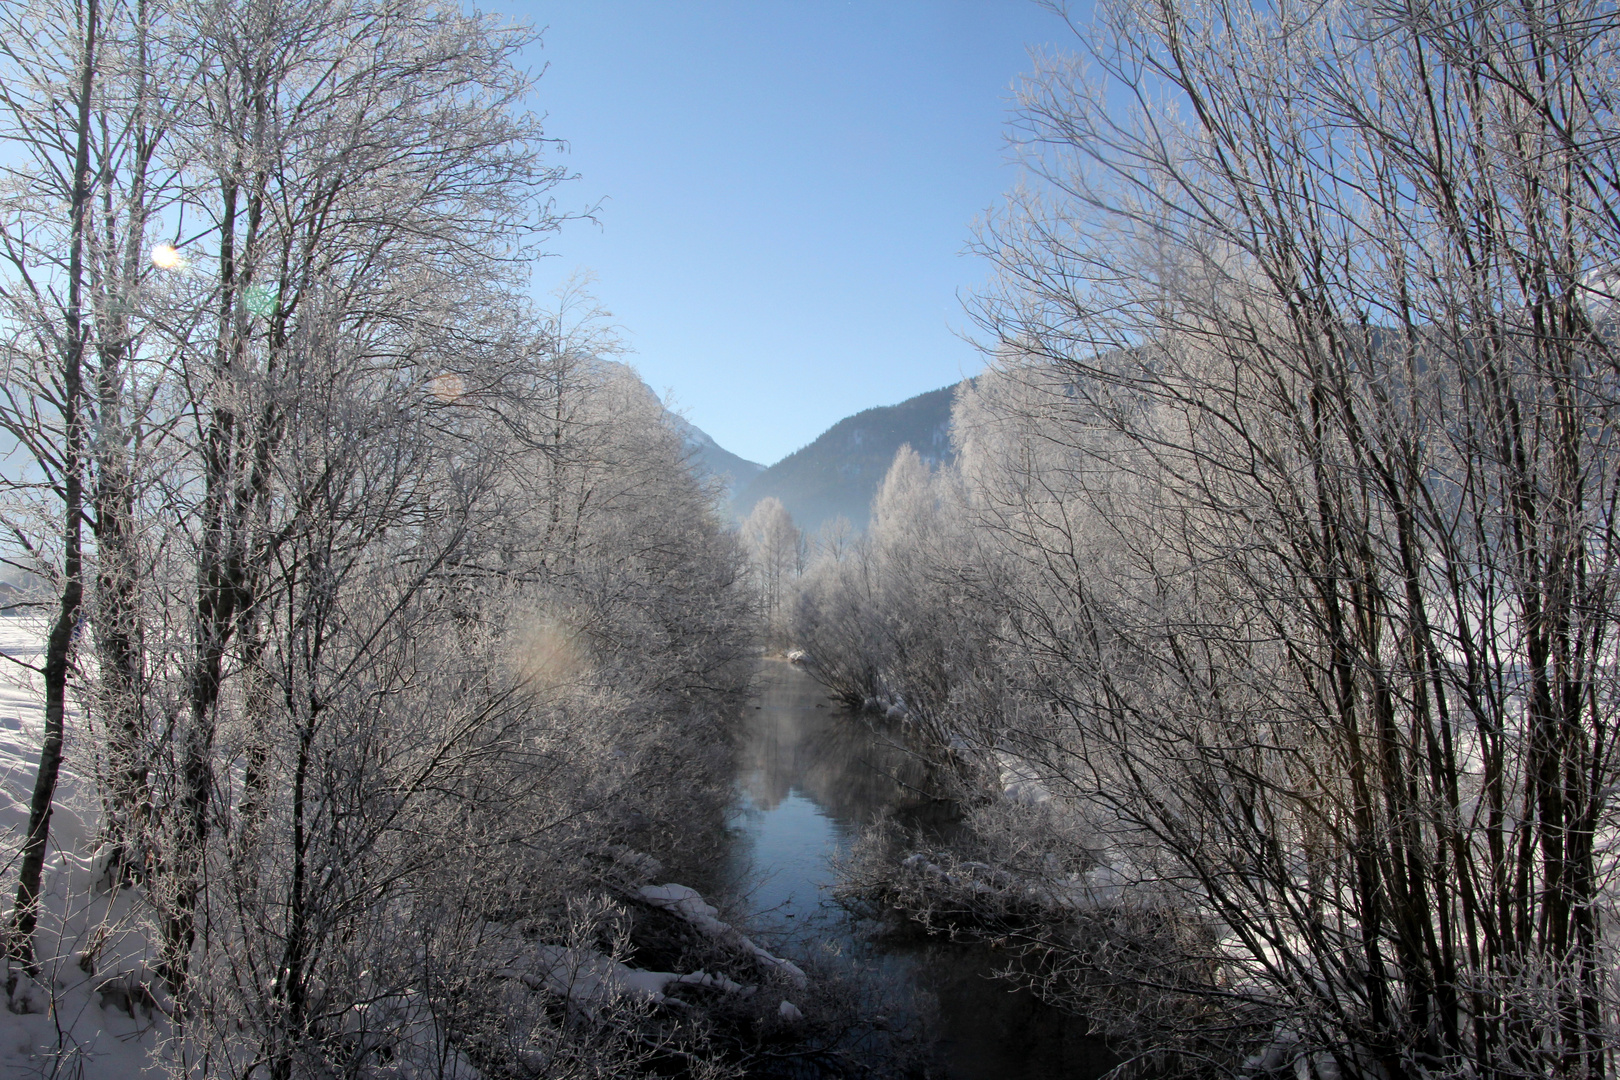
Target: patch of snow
689,904
592,981
96,1010
1104,885
1020,783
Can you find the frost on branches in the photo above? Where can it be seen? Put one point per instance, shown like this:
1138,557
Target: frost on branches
361,608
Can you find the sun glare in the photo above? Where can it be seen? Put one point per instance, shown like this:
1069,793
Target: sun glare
167,257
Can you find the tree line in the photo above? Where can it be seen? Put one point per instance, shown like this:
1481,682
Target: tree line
379,607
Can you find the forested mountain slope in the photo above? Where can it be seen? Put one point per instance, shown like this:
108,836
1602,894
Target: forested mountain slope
840,471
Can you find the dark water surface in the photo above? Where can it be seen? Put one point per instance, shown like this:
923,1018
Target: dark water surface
810,776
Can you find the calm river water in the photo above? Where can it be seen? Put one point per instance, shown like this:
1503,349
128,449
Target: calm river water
810,777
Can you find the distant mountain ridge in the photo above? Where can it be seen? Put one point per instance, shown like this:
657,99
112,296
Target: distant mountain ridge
712,459
840,471
709,460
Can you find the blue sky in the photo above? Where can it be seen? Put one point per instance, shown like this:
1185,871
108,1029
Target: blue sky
786,187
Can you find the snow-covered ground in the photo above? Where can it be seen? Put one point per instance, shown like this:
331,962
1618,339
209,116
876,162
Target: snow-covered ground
92,1012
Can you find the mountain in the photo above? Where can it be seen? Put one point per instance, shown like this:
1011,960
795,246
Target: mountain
708,458
840,471
712,459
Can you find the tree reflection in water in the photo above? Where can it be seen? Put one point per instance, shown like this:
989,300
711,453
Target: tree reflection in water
809,777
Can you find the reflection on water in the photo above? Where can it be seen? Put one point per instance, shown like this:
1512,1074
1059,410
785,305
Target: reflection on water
809,777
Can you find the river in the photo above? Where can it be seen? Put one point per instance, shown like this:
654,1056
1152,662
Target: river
809,778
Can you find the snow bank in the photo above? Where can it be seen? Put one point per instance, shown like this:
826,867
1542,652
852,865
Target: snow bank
889,706
689,904
1020,783
592,981
75,817
1286,1053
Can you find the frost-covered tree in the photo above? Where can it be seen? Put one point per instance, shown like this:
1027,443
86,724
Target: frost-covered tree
366,174
834,540
90,93
892,621
776,551
1295,470
406,610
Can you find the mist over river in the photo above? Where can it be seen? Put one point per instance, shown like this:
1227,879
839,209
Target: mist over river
809,778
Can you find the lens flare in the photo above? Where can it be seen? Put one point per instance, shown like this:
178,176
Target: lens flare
446,387
546,654
260,300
